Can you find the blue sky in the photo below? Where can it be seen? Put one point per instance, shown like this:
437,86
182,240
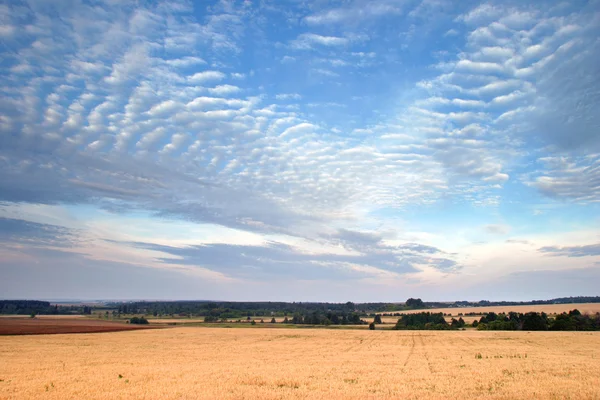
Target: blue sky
301,151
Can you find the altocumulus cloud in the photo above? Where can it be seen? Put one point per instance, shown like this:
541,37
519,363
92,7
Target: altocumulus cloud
325,150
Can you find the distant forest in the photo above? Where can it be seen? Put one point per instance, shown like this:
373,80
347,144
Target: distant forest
29,307
531,321
236,310
303,311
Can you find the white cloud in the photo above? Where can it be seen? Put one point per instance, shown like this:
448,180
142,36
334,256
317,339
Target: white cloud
206,76
133,63
355,13
204,102
302,128
164,108
288,96
151,138
185,62
479,67
224,90
325,72
573,178
482,14
178,140
307,41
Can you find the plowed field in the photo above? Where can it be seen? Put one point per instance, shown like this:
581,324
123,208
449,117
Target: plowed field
40,326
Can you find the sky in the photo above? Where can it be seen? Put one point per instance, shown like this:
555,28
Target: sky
300,150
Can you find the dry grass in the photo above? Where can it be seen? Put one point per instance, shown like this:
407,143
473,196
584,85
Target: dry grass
190,363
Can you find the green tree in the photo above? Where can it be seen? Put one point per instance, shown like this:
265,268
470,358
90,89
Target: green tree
297,319
138,320
377,319
533,321
415,303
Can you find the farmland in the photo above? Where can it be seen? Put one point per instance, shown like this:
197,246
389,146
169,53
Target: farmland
59,324
550,309
192,362
455,312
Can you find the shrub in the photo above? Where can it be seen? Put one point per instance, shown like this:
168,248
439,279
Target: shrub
138,320
423,320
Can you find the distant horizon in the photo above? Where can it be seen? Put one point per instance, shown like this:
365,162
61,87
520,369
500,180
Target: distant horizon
277,301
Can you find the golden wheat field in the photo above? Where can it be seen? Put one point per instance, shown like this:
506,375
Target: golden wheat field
218,363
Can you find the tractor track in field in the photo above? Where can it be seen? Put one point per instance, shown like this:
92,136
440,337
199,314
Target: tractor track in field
411,351
425,354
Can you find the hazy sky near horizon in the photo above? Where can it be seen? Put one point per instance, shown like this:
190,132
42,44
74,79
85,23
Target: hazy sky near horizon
300,150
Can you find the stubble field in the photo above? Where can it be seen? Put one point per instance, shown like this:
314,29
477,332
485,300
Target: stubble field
211,363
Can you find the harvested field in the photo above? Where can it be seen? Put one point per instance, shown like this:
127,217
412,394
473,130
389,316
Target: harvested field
175,320
75,316
39,326
207,363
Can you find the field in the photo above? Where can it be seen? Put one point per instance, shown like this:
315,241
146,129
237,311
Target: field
43,316
38,326
211,363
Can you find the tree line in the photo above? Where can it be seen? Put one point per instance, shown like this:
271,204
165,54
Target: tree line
309,318
426,321
533,321
233,310
36,307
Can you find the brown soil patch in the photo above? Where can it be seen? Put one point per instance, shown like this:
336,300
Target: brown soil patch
43,326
